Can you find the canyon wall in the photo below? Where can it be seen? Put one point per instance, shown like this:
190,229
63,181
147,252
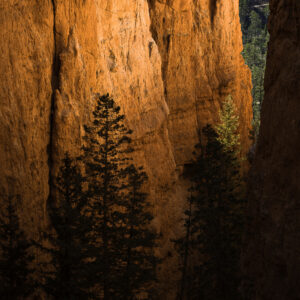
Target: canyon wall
200,45
168,64
272,257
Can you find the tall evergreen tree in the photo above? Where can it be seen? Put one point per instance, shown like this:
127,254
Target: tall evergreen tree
125,260
215,218
105,158
137,262
15,270
220,216
69,272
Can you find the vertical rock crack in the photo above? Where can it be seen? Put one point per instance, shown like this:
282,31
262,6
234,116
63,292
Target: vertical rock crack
54,87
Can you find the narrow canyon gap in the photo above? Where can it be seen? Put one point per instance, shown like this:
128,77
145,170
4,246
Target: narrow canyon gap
271,258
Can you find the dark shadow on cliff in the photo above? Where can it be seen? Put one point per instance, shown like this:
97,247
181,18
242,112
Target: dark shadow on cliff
212,10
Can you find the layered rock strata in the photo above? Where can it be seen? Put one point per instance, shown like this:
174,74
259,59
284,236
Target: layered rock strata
272,258
167,64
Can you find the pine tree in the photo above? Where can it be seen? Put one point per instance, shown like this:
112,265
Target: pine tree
228,127
69,273
219,214
105,158
214,220
137,263
15,271
125,260
185,248
220,207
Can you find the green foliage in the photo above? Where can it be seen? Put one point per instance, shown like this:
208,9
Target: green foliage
244,14
15,271
124,260
254,15
214,220
69,272
219,217
227,129
254,131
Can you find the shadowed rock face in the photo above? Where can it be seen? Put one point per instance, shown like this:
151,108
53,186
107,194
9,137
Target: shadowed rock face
165,65
213,9
272,258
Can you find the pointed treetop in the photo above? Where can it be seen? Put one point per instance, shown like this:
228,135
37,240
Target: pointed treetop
227,129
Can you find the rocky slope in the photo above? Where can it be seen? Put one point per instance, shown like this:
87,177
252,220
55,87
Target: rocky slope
272,258
168,64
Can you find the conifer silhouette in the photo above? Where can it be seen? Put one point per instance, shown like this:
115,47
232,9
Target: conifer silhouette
69,272
16,258
138,240
125,261
214,221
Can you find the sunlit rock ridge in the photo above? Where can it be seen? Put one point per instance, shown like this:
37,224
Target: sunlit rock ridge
168,64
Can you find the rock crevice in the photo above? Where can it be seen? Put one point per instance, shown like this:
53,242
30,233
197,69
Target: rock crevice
55,87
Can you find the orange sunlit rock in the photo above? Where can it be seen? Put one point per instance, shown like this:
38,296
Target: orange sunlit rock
168,64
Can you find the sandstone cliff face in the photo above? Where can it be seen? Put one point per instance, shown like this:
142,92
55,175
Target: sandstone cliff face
167,64
27,49
272,257
200,45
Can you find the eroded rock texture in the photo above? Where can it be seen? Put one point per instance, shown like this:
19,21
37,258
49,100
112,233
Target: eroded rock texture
200,45
272,256
27,50
167,64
